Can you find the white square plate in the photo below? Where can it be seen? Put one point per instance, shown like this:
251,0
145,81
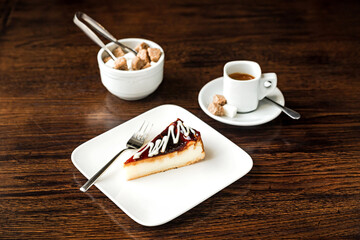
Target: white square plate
156,199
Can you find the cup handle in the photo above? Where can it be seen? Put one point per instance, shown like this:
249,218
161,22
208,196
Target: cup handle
268,82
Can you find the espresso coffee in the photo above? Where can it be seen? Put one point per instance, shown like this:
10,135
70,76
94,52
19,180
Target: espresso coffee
241,76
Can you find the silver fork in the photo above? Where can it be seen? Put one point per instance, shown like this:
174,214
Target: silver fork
135,142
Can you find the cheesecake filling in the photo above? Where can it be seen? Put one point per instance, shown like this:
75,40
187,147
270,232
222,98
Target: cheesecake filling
192,154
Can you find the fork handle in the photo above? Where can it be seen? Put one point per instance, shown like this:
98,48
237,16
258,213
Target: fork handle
92,180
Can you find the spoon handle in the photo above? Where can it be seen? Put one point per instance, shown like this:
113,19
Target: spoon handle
103,32
90,33
291,113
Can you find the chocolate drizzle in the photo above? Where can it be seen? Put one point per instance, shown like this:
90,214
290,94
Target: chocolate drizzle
174,138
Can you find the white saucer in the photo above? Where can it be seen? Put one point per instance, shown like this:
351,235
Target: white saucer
265,112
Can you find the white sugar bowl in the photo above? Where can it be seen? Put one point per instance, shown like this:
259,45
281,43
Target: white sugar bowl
131,85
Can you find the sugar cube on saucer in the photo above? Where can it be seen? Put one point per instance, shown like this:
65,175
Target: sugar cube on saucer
230,110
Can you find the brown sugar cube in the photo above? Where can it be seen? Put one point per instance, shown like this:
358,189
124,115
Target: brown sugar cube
118,52
154,54
121,64
143,55
137,63
219,99
146,66
141,46
216,109
106,59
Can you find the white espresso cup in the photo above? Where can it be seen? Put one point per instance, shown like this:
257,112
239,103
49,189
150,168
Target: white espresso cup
245,94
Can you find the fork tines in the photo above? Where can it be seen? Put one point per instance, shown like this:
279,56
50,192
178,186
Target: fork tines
143,130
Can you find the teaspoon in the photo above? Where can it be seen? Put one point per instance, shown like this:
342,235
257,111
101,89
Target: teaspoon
291,113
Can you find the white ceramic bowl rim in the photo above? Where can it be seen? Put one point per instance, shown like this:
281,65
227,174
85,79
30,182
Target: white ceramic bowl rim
137,72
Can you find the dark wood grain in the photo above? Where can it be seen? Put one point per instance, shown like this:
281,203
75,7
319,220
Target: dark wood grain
305,182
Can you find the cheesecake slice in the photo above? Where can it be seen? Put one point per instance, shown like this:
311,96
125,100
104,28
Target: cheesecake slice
176,146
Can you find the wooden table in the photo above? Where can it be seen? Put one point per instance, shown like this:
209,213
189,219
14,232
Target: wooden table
305,182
